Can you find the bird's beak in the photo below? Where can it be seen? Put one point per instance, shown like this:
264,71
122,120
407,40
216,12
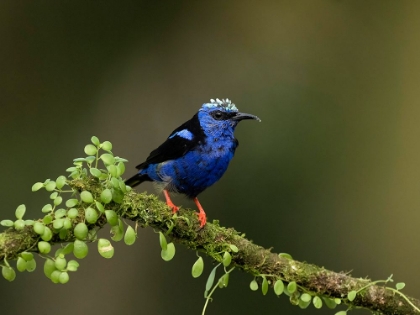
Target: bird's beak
242,116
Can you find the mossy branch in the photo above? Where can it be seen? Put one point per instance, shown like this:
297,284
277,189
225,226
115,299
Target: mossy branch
147,210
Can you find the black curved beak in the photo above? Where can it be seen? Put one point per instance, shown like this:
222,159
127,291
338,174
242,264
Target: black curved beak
242,116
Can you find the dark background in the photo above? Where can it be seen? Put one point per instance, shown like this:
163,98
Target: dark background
331,175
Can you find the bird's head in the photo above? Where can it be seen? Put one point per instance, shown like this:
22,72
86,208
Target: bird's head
221,115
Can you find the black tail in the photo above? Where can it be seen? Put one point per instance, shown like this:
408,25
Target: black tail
137,179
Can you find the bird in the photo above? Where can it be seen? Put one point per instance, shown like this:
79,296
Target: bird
195,155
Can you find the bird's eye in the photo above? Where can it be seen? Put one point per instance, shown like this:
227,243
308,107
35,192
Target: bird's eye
218,115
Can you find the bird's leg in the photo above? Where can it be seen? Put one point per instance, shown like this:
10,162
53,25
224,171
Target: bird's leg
201,214
169,201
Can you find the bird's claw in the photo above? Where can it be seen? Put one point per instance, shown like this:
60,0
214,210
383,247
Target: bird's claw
173,207
202,218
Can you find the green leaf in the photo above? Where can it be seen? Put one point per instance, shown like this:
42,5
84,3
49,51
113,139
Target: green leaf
111,217
67,224
49,267
90,149
122,186
107,146
58,224
210,279
90,159
317,302
29,222
224,281
72,265
303,305
7,223
117,196
264,286
19,224
107,158
80,249
21,264
351,295
30,265
72,203
58,214
253,285
341,313
100,207
27,256
53,195
106,196
67,249
117,231
115,183
64,277
130,236
95,141
169,253
198,267
227,258
37,186
95,172
81,231
86,196
47,208
234,248
305,297
44,247
58,201
60,263
285,255
278,287
60,182
121,168
8,273
20,212
162,241
47,219
291,287
50,186
105,248
47,235
91,215
329,302
112,169
55,275
72,213
400,285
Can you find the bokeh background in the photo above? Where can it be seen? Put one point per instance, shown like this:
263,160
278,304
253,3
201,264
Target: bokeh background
331,175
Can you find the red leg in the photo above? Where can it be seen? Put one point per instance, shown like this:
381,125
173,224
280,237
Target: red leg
201,214
169,201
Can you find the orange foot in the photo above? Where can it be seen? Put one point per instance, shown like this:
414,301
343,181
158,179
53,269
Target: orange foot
201,215
169,201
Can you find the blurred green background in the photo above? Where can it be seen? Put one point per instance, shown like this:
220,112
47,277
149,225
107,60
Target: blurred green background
331,175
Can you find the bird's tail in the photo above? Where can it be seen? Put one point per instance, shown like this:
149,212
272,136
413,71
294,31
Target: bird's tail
137,179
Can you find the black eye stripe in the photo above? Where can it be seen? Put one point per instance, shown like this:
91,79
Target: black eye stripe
219,115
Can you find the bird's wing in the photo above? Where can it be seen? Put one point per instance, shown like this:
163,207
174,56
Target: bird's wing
182,140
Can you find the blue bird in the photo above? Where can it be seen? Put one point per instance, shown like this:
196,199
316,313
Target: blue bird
195,155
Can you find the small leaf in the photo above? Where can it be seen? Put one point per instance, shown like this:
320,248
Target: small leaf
27,256
91,215
47,208
95,172
8,273
7,223
64,277
58,201
58,224
121,168
105,248
44,247
20,212
227,258
50,186
198,267
210,279
19,224
169,253
111,217
285,255
67,249
341,313
351,295
317,302
162,241
60,182
253,285
72,265
90,149
29,222
305,297
72,213
400,285
130,236
30,265
49,267
264,286
117,196
291,287
329,302
80,249
47,219
81,231
278,287
72,203
100,207
95,141
224,281
47,235
37,186
107,146
21,264
234,248
58,214
86,196
117,231
107,158
106,196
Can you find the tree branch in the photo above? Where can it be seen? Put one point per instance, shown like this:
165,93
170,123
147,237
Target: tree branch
147,210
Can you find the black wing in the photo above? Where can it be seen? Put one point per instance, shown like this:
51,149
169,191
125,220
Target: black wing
176,146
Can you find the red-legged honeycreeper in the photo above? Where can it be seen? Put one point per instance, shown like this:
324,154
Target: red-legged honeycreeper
195,155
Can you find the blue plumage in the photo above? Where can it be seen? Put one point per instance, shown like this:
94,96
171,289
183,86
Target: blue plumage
196,154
